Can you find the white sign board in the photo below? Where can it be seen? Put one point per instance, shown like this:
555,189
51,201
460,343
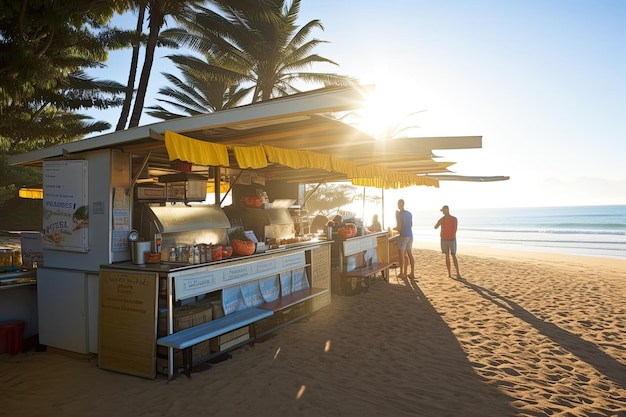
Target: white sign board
202,280
65,206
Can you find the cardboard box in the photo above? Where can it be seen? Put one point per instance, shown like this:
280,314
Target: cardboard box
230,339
218,309
151,193
266,325
296,312
184,317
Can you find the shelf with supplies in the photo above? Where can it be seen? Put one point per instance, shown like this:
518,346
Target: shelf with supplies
181,187
205,311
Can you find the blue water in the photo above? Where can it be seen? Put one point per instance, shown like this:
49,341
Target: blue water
581,230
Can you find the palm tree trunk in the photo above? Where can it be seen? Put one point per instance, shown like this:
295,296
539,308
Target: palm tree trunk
130,86
156,22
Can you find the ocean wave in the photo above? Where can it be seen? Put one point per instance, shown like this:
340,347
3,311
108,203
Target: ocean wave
592,230
592,243
611,232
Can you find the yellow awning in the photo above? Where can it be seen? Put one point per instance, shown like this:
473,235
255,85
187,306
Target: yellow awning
210,187
250,156
259,156
195,151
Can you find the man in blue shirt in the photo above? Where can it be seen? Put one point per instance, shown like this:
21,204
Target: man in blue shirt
404,224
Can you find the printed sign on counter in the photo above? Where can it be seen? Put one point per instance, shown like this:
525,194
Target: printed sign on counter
202,280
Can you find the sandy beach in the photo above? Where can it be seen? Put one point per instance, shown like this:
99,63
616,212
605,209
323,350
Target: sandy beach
521,334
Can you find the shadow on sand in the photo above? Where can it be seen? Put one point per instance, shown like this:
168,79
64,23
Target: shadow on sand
443,365
585,350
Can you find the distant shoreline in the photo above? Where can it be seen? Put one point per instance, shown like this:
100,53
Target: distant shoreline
523,255
11,239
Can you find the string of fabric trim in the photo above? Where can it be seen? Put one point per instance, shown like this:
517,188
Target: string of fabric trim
259,156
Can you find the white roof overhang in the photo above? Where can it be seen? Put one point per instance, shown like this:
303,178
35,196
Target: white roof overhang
304,121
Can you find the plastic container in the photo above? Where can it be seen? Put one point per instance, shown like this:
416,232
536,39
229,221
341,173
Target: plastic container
10,260
216,252
6,260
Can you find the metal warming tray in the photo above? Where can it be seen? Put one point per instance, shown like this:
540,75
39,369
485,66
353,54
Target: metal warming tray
184,225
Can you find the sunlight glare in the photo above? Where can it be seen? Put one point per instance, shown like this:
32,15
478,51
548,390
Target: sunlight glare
392,109
327,346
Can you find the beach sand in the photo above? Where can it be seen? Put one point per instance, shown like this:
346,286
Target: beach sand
521,334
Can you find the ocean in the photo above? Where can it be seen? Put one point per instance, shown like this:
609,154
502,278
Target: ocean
577,230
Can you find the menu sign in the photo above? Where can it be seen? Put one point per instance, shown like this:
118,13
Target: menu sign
127,326
65,206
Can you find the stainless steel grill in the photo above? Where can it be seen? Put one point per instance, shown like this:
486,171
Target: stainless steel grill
182,225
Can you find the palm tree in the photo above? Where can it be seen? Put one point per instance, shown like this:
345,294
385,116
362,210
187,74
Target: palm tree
134,62
44,48
50,117
257,44
42,42
158,10
201,90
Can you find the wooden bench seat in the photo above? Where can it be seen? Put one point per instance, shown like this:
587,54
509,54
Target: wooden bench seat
185,339
369,271
362,276
287,309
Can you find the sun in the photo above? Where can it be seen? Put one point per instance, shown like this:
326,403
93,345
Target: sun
391,111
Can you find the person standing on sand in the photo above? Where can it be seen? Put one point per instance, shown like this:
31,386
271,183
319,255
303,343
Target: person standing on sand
448,225
404,224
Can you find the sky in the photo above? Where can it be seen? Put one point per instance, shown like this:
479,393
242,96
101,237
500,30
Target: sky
542,81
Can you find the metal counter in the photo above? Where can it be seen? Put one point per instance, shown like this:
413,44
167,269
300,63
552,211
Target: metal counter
11,280
18,299
166,267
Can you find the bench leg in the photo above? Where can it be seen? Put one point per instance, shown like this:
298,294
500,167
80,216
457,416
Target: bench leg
355,285
188,360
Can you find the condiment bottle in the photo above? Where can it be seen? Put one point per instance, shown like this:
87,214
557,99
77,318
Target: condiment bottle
195,254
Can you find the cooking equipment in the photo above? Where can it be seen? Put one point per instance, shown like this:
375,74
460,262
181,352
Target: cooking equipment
301,221
183,226
266,223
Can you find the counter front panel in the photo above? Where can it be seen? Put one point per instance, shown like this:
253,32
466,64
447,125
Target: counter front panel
195,282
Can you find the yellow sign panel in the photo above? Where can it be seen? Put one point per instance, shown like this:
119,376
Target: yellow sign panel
128,320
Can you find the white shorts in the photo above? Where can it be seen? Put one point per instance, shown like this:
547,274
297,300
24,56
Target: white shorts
448,246
405,243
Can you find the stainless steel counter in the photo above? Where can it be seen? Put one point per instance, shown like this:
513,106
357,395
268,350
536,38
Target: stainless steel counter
166,267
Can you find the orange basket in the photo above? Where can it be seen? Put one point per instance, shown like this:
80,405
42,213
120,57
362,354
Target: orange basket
152,258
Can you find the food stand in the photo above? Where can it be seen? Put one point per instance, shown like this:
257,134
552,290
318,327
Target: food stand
93,293
18,287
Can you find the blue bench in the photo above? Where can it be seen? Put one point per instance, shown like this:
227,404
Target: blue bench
185,339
